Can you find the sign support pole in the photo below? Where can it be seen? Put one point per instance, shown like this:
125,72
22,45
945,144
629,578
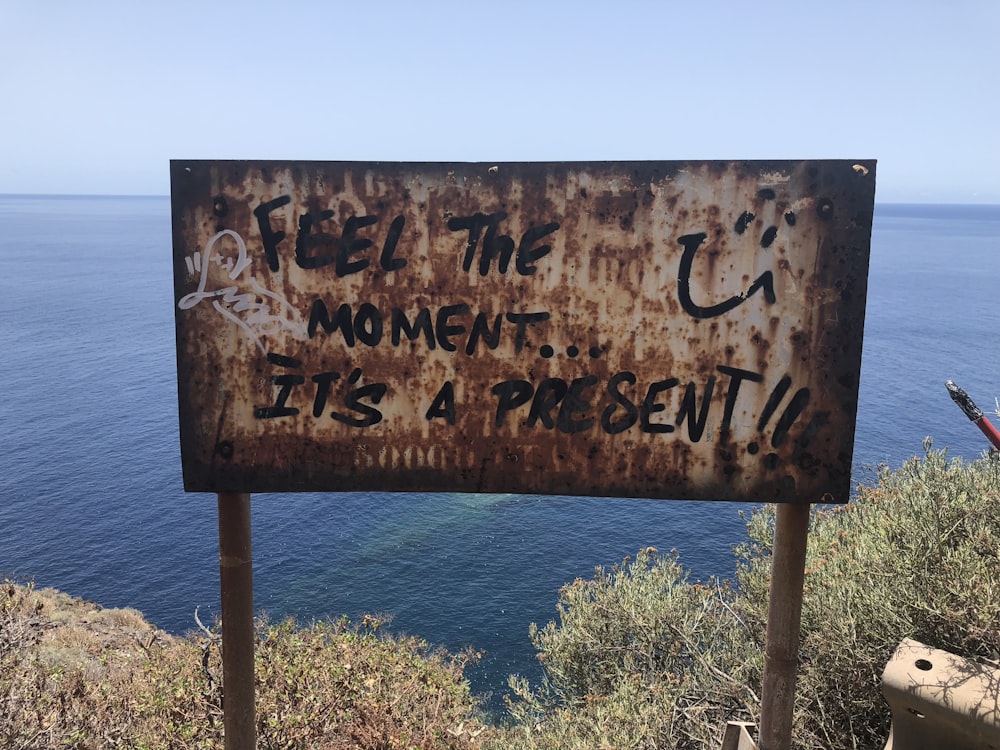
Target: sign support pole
784,615
236,576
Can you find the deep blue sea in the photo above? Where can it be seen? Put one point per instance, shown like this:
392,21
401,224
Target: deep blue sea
90,481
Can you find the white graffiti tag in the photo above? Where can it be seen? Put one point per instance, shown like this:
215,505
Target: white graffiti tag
246,303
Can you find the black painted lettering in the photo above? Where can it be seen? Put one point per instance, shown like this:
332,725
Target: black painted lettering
526,255
283,361
387,260
736,378
320,316
773,400
511,394
576,402
474,225
650,406
744,221
269,237
496,246
522,321
622,401
444,330
800,456
443,404
323,382
691,243
350,245
696,418
368,324
766,282
280,409
369,414
481,329
547,397
795,407
401,325
767,239
306,241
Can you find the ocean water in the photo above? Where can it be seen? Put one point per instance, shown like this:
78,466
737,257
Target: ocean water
90,485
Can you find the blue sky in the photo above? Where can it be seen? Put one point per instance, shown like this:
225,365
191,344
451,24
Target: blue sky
99,96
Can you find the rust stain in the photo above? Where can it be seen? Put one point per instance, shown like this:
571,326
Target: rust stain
686,330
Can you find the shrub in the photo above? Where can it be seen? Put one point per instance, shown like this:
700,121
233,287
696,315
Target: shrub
75,676
915,554
640,658
643,658
333,686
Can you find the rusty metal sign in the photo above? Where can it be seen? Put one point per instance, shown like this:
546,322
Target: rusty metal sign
686,330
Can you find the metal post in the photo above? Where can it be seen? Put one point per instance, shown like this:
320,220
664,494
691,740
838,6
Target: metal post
784,615
236,574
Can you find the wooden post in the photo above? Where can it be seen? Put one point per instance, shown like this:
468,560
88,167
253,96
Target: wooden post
784,615
236,576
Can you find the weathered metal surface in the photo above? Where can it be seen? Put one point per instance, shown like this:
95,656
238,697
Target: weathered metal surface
737,736
940,700
647,329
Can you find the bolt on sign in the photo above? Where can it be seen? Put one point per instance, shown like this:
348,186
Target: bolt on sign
687,330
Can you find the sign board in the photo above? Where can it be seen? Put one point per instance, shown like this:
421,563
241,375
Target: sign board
687,330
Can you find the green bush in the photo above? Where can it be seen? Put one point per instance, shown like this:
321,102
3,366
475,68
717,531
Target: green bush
915,555
643,658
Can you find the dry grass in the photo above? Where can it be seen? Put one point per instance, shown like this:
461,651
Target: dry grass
74,675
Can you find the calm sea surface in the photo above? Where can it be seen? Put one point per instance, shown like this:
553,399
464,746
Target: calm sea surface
90,485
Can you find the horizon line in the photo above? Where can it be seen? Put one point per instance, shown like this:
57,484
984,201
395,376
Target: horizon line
167,196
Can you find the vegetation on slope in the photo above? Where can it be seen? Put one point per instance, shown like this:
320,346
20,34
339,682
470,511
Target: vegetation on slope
643,658
639,657
73,675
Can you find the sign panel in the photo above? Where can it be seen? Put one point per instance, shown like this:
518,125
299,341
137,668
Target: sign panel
686,330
